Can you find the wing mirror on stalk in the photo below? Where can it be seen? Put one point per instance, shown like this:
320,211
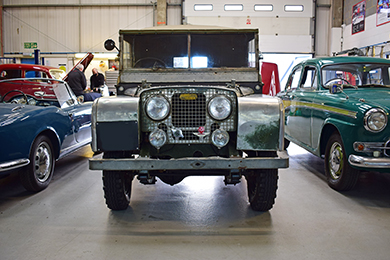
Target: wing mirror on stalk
334,89
110,45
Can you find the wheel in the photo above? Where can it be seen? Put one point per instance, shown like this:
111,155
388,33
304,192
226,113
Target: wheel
262,185
117,185
15,90
148,64
339,174
117,189
337,79
37,175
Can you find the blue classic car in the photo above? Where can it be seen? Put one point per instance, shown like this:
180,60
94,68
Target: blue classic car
338,108
37,130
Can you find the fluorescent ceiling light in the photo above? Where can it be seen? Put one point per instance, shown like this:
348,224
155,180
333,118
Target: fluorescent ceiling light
204,7
98,55
265,8
234,7
293,8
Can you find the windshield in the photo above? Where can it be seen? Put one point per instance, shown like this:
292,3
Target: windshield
356,74
39,92
57,74
180,51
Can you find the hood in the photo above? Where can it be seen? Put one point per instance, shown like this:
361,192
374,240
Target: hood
86,60
377,97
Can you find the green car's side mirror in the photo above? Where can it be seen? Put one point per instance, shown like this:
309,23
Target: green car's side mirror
335,89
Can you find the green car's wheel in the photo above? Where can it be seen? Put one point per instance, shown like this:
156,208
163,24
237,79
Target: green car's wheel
339,174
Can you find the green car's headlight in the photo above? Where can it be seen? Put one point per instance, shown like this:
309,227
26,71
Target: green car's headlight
157,108
220,107
375,120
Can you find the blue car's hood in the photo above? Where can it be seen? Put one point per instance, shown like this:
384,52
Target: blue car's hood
374,96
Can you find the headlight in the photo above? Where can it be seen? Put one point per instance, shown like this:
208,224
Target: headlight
157,108
220,108
375,120
220,138
157,138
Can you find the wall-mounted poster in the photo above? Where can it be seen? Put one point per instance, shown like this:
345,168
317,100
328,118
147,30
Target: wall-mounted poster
382,12
358,17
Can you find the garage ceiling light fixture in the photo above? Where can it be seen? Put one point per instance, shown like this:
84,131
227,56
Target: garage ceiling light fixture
293,8
98,55
234,7
264,8
204,7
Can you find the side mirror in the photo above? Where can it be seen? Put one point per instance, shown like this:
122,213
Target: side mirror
110,45
335,89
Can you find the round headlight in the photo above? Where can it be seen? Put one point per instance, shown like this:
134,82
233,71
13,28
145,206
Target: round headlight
157,138
375,120
220,138
157,108
220,108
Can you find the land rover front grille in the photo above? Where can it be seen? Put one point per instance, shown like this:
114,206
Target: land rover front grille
189,113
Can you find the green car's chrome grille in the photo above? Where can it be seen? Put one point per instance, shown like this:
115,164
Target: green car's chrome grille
188,113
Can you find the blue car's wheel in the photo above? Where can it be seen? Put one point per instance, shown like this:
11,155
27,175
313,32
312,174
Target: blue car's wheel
37,175
339,174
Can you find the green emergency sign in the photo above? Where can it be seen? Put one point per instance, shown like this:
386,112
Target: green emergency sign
30,45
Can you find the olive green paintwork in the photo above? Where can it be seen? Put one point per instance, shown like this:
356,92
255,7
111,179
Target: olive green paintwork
312,113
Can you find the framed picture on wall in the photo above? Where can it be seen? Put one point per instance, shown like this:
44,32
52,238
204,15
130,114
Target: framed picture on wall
382,12
358,17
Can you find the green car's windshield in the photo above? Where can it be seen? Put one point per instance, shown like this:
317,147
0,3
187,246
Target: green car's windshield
356,74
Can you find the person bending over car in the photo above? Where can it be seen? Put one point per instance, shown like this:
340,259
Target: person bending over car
77,80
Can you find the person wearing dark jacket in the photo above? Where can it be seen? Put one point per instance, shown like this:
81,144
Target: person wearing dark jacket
77,81
97,80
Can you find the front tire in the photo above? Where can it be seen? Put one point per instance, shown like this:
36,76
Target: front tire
262,185
117,189
339,174
38,174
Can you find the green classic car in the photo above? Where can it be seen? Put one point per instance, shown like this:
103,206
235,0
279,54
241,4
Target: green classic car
338,108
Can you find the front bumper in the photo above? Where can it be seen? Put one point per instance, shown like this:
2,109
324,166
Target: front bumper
369,162
193,163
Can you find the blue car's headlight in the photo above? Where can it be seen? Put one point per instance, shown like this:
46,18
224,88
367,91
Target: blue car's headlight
375,120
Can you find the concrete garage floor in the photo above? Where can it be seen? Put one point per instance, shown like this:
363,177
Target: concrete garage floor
200,218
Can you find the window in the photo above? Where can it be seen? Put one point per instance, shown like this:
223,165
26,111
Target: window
293,8
231,7
199,62
35,74
180,62
293,82
309,78
203,7
264,8
10,74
